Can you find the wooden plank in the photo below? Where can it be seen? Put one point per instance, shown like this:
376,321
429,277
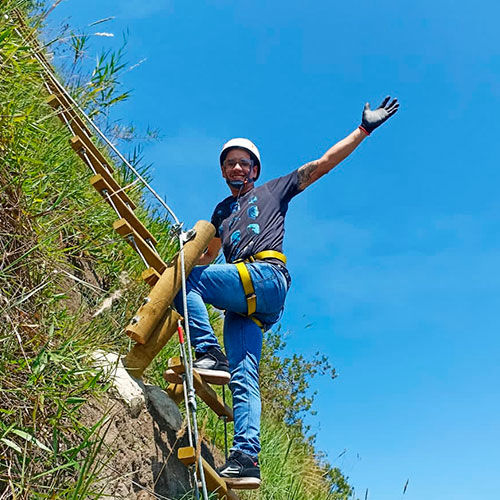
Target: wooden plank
177,366
61,103
187,455
100,184
214,482
172,377
90,146
150,276
205,393
175,392
123,228
79,130
78,146
211,398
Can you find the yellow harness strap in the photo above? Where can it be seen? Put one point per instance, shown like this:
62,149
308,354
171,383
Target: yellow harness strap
246,279
248,288
267,254
258,323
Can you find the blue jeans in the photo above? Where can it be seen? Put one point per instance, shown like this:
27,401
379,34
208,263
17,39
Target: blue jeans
220,285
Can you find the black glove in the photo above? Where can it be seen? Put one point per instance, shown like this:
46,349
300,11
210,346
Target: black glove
374,118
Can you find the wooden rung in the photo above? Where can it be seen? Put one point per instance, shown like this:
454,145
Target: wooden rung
90,146
150,276
211,398
215,483
187,455
79,142
176,367
175,392
123,228
60,102
207,394
79,128
79,147
172,377
101,185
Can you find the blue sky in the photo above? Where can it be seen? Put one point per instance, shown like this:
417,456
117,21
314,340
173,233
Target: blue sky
395,255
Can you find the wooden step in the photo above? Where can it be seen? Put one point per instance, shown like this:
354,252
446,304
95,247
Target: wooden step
79,130
150,276
211,398
175,392
100,184
90,146
214,482
208,395
58,101
242,483
123,228
78,145
176,369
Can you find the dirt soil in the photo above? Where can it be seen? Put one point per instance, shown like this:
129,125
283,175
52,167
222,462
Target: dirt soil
139,459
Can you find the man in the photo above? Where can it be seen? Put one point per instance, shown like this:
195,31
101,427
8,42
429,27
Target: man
252,286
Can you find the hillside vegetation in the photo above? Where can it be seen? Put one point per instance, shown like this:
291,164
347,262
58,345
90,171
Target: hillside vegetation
60,261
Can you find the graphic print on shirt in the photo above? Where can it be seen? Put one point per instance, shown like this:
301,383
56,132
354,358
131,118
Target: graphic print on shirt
235,238
235,206
253,212
233,221
253,229
259,217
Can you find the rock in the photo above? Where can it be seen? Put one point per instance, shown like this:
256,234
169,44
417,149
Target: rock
131,390
143,449
164,406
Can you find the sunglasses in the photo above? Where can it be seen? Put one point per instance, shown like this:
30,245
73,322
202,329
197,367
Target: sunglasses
243,162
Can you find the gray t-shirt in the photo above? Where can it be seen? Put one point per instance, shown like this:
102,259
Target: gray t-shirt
255,221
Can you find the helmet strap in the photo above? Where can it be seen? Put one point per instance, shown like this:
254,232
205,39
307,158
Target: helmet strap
235,184
240,184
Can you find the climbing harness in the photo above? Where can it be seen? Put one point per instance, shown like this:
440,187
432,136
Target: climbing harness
246,279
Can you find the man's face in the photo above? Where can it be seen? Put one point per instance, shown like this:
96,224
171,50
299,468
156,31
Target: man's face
236,168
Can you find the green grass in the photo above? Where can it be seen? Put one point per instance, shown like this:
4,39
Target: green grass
60,259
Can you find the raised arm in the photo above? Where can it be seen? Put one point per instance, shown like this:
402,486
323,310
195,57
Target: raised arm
371,119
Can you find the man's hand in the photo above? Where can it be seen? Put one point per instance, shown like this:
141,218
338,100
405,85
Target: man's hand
374,118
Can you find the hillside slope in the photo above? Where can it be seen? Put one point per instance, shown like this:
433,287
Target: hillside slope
68,285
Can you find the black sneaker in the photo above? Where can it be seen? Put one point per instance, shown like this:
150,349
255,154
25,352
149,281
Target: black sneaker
212,366
241,471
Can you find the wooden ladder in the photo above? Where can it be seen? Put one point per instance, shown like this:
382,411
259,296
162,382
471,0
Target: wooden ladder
158,274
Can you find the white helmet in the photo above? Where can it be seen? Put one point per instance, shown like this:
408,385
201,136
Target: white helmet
247,145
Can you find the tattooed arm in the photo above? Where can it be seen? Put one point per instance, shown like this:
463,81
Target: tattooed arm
313,170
